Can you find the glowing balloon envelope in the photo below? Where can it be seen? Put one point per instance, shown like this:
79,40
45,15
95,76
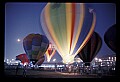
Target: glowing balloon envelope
68,26
50,52
35,46
110,37
23,58
91,49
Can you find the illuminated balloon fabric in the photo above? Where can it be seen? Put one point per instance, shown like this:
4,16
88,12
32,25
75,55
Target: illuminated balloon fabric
68,26
23,58
110,37
91,49
35,46
50,52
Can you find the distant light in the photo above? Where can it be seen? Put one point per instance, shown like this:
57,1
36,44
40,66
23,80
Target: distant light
96,58
54,60
115,58
26,63
112,58
100,60
113,68
7,59
13,59
18,40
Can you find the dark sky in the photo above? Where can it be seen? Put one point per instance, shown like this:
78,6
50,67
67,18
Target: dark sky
22,19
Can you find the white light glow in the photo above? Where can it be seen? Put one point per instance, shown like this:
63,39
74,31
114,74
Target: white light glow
54,60
68,59
96,59
18,40
115,58
100,60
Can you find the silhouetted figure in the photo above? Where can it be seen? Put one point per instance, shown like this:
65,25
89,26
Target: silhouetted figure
99,71
24,70
74,69
17,68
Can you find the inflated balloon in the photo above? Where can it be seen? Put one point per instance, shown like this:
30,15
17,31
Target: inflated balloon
23,58
35,46
50,52
91,49
40,61
68,26
110,37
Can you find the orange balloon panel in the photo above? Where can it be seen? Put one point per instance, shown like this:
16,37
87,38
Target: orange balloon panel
50,52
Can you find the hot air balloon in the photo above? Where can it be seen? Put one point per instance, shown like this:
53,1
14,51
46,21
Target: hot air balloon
23,58
91,49
50,52
40,61
110,37
35,46
68,26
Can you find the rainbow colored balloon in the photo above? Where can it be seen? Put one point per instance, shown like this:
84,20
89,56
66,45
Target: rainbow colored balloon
35,46
68,26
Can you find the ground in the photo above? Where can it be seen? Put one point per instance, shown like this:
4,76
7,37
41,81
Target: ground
45,74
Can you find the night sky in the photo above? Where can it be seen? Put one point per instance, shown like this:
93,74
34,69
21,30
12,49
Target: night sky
22,19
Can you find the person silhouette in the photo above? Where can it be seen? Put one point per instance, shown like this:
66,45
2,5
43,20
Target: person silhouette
17,68
24,70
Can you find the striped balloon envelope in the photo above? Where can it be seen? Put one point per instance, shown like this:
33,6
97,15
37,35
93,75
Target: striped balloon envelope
35,46
91,49
68,26
50,52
